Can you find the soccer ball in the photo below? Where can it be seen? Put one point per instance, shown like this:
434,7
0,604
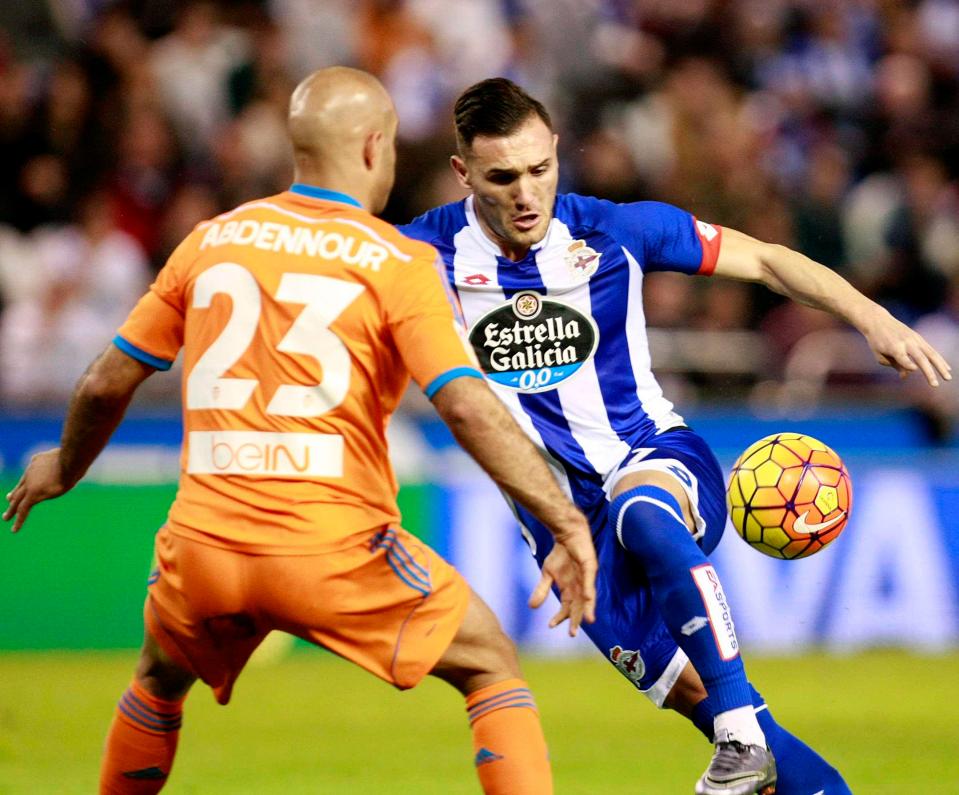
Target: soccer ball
789,495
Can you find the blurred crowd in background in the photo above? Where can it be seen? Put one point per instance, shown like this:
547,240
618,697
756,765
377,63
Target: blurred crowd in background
830,127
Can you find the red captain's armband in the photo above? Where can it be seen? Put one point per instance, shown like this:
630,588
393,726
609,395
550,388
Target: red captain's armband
710,237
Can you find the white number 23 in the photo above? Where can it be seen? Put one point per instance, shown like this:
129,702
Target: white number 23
324,299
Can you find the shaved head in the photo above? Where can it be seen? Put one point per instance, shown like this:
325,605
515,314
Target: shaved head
336,107
342,126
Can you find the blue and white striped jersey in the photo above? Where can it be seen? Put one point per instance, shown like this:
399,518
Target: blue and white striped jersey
561,334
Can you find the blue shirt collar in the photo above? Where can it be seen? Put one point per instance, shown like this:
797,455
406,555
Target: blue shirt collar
323,193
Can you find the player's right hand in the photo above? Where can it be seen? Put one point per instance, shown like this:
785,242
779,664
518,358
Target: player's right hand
41,481
896,345
571,565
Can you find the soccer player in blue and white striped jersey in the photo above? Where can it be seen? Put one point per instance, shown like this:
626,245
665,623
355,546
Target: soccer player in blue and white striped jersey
550,289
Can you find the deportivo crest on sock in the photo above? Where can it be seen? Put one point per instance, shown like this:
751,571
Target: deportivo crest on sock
629,662
484,756
147,774
582,260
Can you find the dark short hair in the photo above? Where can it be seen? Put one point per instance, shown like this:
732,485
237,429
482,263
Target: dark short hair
495,107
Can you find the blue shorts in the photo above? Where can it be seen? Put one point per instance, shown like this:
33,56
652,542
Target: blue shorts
629,629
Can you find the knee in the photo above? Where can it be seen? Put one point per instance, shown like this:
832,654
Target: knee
647,518
489,655
159,675
499,655
481,653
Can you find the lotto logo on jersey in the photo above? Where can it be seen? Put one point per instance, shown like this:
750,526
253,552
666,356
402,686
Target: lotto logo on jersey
533,344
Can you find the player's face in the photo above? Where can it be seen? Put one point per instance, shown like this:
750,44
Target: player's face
513,179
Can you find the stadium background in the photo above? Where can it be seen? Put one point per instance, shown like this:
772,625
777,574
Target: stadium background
831,127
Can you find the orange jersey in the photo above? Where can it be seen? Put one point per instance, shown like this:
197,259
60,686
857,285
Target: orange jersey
301,319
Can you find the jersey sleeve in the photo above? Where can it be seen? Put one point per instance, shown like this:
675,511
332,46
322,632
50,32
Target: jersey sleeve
420,315
153,331
665,238
414,229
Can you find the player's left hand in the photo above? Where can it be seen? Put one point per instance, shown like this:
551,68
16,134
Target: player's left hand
41,481
571,564
896,345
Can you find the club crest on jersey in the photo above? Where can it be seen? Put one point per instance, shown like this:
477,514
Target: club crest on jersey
533,343
582,260
629,663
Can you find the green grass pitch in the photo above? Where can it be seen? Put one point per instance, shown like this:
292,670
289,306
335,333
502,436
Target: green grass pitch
312,723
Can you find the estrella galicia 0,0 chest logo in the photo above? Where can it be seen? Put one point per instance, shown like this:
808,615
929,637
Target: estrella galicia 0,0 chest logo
532,343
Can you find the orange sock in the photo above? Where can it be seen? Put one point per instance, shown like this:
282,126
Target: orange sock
511,756
140,744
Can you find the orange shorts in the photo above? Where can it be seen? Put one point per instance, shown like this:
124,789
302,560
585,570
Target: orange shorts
389,603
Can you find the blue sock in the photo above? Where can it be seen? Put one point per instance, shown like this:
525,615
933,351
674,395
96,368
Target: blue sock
648,522
801,770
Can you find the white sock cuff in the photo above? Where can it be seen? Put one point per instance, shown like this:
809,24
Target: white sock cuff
739,725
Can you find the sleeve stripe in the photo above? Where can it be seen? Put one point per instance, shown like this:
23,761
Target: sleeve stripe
442,380
140,355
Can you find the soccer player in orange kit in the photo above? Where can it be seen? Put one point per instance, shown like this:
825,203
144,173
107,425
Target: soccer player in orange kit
301,318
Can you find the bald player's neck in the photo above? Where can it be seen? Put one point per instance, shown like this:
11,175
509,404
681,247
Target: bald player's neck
351,184
341,126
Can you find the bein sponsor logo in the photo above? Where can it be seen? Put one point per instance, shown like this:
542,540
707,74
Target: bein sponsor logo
717,608
291,455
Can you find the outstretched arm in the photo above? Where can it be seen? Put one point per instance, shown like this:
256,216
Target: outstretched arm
485,429
99,402
795,276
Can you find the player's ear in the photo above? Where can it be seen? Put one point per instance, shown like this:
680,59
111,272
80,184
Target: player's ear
459,168
371,149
